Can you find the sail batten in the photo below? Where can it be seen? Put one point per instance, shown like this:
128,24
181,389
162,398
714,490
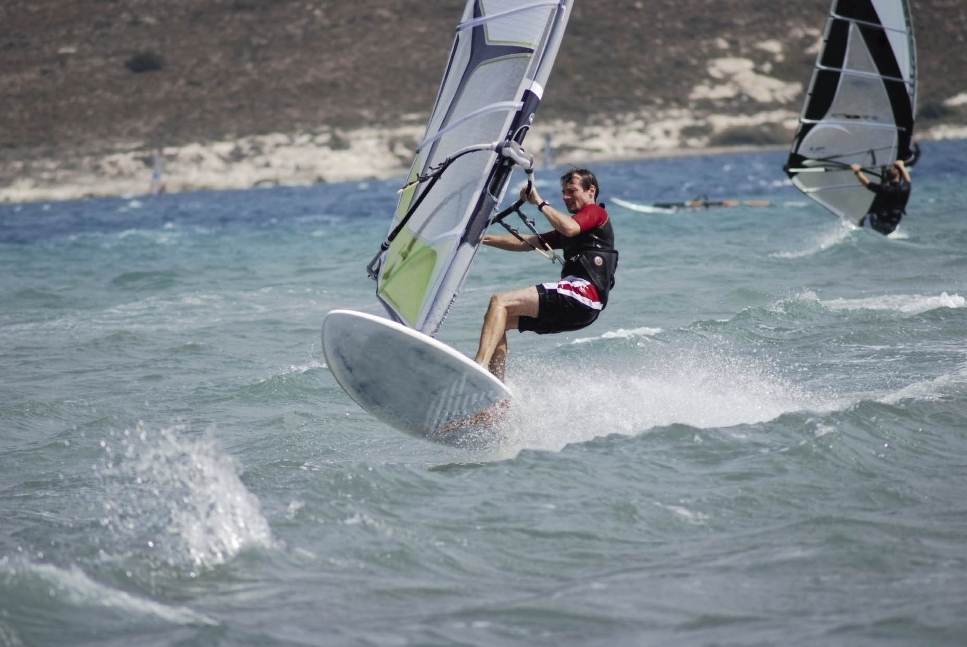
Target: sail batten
503,14
860,105
830,187
501,57
502,106
833,122
862,73
874,25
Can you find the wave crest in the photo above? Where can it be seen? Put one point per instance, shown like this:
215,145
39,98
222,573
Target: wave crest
178,497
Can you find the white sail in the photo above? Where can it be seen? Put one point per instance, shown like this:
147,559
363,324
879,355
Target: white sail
493,83
860,106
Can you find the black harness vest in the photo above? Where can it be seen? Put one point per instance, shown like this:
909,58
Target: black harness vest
591,255
891,198
889,205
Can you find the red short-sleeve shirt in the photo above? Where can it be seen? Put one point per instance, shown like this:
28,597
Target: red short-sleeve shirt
591,216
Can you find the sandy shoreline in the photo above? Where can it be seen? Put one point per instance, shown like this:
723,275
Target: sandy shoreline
370,153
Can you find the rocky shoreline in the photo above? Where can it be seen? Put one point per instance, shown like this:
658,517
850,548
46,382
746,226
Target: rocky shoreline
331,155
132,100
101,96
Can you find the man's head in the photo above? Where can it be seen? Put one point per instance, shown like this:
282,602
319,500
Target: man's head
891,174
579,188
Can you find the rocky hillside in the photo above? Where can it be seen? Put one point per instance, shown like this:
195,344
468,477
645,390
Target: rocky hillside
94,77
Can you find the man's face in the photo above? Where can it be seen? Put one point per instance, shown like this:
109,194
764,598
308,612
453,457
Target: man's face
575,196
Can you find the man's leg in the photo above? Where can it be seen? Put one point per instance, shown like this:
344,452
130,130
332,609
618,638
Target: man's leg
498,361
503,313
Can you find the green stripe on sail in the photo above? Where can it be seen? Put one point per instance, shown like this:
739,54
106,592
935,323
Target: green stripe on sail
407,271
406,199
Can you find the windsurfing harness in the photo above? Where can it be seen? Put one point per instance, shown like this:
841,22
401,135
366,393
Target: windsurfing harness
589,255
889,205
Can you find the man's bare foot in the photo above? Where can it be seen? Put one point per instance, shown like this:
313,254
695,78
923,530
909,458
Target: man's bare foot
489,417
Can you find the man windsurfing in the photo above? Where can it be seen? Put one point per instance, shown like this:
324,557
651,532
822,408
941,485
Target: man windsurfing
576,300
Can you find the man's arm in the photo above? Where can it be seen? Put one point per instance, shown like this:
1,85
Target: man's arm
511,243
563,224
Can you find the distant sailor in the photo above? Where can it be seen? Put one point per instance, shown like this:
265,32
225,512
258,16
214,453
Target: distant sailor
889,205
704,203
590,260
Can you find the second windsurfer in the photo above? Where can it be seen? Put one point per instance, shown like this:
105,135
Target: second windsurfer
889,205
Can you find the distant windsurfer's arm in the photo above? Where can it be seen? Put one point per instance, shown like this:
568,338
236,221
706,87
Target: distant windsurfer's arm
903,170
858,172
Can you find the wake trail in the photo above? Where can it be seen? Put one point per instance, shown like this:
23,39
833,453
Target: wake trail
826,240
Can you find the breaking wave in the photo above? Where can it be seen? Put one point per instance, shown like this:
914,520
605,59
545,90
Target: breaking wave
178,498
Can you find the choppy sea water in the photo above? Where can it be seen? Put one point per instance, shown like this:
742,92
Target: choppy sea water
763,440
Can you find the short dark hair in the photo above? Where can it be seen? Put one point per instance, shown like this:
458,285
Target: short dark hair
587,180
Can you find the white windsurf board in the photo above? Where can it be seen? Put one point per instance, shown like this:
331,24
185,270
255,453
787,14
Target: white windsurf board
407,379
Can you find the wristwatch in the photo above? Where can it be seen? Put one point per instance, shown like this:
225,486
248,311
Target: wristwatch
541,206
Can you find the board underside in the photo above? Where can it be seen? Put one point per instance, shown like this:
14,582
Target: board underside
407,379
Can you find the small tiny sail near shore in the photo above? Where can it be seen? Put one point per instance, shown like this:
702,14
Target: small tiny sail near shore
702,203
860,105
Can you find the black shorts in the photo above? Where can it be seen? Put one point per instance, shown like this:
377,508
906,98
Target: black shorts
557,312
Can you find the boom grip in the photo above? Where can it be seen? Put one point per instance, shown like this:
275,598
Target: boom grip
516,153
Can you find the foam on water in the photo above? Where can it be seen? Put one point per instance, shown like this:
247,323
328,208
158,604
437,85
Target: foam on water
900,303
556,404
684,513
74,587
621,333
179,497
299,369
905,303
166,236
824,240
936,388
9,636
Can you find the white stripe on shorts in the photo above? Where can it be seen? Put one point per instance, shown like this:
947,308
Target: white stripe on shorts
578,289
